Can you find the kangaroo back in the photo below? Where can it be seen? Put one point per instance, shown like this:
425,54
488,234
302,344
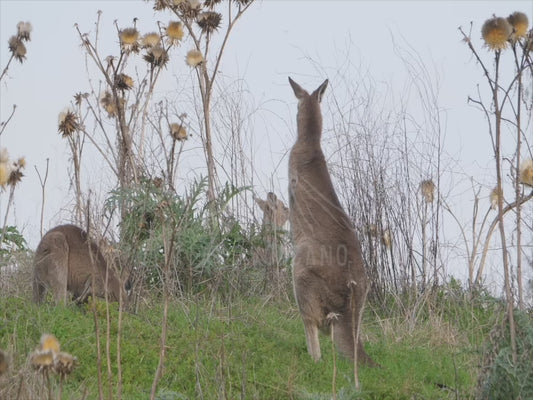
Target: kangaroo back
66,260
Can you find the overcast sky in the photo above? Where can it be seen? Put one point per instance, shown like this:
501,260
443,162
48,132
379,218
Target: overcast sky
307,40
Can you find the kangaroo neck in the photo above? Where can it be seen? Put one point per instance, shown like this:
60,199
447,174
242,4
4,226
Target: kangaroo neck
309,127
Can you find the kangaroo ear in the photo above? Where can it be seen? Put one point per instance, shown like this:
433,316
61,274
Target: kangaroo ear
299,92
320,91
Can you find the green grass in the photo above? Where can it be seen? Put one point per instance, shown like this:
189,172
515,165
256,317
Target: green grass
249,349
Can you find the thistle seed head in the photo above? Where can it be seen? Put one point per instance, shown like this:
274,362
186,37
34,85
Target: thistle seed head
496,33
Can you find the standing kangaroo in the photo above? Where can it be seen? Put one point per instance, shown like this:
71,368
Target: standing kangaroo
329,276
65,261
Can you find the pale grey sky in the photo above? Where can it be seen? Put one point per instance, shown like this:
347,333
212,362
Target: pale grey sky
274,39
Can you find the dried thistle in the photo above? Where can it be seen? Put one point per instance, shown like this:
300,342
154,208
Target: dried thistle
17,48
496,33
110,104
178,132
5,172
160,5
519,21
211,3
49,342
427,188
495,197
188,9
78,97
64,363
124,82
24,30
157,56
242,2
42,360
151,39
209,21
526,172
129,40
194,58
15,176
68,123
174,32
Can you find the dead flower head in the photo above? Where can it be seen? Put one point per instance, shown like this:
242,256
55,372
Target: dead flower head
174,32
48,357
495,196
160,5
78,97
496,33
178,132
68,123
5,172
209,21
124,82
526,172
157,56
520,23
16,174
24,30
49,342
64,363
17,48
427,188
107,101
194,58
211,3
21,162
189,9
110,105
42,360
150,40
129,40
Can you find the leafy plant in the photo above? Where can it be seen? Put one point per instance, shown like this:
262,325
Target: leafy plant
502,378
204,253
13,241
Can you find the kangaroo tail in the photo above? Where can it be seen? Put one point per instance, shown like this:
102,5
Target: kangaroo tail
343,336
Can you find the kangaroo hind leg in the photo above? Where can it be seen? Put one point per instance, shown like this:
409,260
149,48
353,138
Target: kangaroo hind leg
311,337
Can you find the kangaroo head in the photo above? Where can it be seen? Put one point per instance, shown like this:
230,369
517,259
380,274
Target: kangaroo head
309,115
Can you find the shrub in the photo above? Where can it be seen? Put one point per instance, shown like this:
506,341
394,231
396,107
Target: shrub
501,377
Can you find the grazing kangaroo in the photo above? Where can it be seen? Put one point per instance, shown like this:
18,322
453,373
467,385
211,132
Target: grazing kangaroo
65,261
329,276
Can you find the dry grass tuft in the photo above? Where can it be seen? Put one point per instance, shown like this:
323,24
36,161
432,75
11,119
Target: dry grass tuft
16,276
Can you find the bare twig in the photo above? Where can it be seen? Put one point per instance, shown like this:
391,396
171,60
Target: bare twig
43,192
4,123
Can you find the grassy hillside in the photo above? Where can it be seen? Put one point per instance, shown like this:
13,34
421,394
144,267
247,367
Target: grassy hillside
251,348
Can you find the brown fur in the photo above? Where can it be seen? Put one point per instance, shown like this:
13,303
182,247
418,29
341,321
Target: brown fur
327,260
63,263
